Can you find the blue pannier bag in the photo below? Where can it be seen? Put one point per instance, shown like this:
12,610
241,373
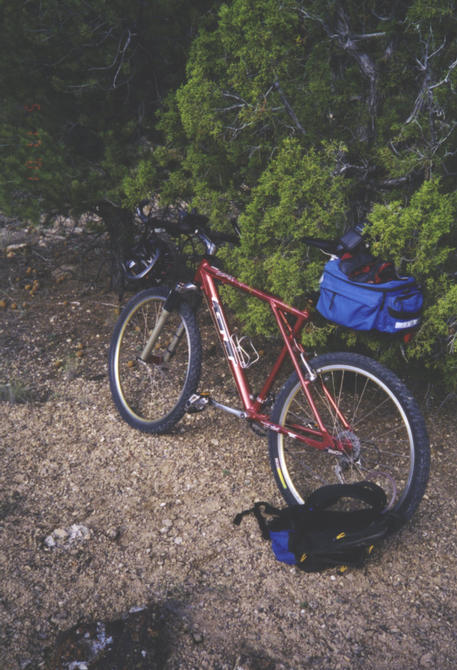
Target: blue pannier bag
393,306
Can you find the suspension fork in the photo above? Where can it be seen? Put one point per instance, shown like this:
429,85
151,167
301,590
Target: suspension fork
170,305
154,336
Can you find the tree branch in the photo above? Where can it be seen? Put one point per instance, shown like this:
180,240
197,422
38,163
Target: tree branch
122,54
446,78
425,93
346,40
289,109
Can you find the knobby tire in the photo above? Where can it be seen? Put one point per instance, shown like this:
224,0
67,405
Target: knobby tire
151,396
387,440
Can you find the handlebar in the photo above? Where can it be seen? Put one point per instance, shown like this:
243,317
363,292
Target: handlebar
329,246
192,224
347,242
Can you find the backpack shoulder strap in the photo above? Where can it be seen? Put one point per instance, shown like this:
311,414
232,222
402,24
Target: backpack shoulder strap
256,511
366,491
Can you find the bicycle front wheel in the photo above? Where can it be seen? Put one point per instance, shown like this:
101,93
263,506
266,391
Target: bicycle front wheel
386,441
151,391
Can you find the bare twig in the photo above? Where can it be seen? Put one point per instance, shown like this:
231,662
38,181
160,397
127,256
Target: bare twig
425,93
109,67
445,80
289,109
347,40
122,54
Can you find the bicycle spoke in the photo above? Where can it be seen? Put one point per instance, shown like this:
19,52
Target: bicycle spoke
147,392
362,415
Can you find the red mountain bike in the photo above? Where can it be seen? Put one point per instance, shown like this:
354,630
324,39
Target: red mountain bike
339,417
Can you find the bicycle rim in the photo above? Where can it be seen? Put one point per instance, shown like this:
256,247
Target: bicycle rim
149,392
385,443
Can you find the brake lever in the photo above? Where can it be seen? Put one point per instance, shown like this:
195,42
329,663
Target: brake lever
143,217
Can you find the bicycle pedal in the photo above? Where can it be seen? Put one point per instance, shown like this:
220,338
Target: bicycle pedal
197,402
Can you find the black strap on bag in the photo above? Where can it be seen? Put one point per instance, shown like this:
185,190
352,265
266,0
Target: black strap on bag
314,537
261,520
366,491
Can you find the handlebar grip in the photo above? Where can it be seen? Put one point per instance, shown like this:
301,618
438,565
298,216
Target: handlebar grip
330,246
193,221
224,237
187,224
196,220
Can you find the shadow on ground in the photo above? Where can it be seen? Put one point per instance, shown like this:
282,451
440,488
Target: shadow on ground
139,639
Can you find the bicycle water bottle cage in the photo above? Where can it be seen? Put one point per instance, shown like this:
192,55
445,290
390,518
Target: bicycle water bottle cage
247,353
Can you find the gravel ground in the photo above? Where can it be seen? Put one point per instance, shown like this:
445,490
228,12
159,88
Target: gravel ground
119,547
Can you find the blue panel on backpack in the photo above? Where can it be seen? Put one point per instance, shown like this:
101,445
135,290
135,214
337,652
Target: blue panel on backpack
280,546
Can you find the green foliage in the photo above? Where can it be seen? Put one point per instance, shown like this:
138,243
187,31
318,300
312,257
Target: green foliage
297,195
424,12
421,237
138,182
435,345
305,117
84,81
301,118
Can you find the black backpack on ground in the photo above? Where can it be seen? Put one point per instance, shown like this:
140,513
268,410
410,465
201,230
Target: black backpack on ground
314,537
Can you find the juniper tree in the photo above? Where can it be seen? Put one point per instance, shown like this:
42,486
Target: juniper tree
81,81
309,116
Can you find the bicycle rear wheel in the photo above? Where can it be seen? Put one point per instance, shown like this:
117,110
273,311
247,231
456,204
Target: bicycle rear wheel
151,394
386,443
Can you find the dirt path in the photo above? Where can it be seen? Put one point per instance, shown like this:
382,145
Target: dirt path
105,532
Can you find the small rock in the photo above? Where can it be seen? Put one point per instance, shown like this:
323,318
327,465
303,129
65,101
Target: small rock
66,536
78,532
426,660
50,542
60,534
197,637
113,533
11,248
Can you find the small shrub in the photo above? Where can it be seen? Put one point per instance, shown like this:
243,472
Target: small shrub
15,392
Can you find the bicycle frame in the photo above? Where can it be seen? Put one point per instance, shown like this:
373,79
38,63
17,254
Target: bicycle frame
206,277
